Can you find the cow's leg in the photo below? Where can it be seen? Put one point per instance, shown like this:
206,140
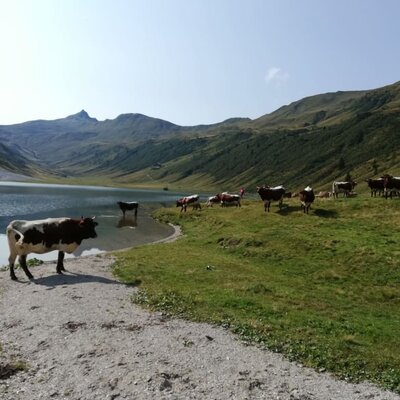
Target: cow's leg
22,262
11,261
135,211
60,262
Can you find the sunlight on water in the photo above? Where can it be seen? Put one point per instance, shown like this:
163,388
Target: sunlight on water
29,201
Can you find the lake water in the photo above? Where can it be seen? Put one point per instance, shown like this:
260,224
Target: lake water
38,201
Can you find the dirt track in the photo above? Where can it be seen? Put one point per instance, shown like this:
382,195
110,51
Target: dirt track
82,338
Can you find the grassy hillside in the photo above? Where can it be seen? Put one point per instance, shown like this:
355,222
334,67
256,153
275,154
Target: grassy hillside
323,288
13,159
309,142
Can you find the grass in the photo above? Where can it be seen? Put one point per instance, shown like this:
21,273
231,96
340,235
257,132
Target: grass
323,288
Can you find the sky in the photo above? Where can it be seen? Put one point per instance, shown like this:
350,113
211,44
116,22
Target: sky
189,62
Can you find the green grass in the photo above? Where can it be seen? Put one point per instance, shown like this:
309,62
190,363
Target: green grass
323,288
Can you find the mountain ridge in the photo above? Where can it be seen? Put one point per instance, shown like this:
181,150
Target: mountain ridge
316,139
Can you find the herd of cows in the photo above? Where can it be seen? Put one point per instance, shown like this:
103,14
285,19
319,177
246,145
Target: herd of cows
387,186
66,234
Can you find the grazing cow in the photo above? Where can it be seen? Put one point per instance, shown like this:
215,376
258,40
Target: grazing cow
42,236
307,197
213,200
342,187
376,185
229,199
324,194
269,194
128,206
193,200
392,184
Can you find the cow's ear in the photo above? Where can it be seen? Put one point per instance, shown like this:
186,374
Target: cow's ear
94,217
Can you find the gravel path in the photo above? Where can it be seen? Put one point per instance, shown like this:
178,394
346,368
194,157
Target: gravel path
82,338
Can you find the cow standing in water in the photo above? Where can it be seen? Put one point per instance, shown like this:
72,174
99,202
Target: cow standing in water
128,206
43,236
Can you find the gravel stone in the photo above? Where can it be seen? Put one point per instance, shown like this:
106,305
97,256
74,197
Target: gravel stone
80,337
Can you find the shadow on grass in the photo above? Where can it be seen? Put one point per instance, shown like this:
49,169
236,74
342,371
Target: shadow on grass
320,212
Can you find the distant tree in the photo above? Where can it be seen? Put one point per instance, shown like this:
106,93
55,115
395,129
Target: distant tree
375,167
348,177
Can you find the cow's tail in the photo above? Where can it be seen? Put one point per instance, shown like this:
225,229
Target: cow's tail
18,236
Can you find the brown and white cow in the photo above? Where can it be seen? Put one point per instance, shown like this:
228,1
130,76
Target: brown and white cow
343,187
43,236
228,199
376,185
391,185
193,200
224,199
213,200
269,194
307,197
324,194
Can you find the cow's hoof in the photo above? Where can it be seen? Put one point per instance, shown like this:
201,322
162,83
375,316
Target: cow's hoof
59,272
13,277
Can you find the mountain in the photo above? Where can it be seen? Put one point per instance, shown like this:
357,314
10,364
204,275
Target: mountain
308,142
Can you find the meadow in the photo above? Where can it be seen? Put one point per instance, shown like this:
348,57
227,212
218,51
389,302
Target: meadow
323,288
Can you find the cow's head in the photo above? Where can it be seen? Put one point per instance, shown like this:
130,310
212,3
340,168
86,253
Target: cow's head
87,226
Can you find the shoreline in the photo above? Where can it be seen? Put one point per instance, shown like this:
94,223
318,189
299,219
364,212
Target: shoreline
175,235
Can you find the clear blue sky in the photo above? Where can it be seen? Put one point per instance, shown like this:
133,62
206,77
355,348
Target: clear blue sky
189,61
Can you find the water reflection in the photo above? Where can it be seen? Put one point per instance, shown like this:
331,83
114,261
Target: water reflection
33,202
129,221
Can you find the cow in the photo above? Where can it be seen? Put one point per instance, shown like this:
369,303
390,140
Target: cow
376,185
392,184
229,199
307,197
43,236
324,194
128,206
342,187
193,200
213,200
269,194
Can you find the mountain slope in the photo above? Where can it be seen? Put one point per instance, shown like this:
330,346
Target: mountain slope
311,141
